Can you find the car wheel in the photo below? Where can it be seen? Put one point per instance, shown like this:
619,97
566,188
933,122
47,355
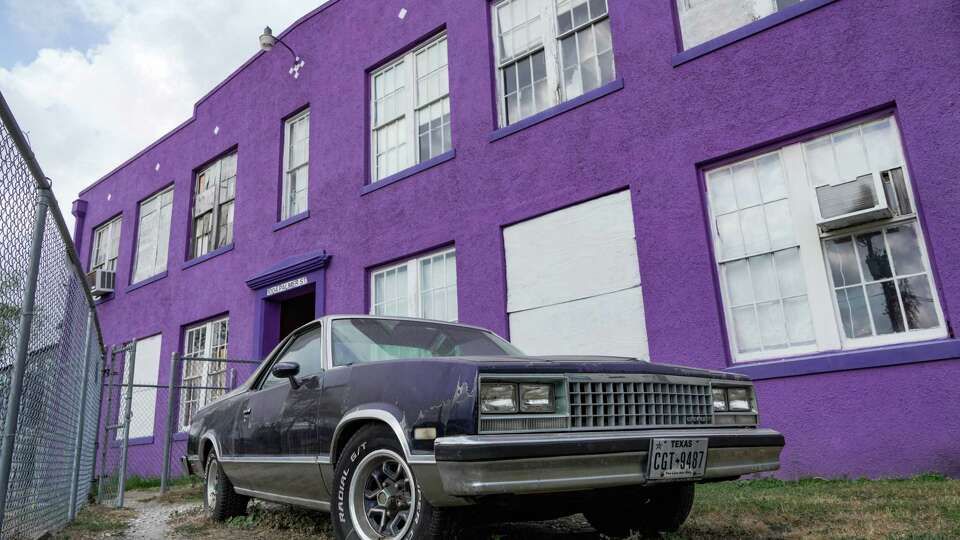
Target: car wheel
377,497
646,510
220,501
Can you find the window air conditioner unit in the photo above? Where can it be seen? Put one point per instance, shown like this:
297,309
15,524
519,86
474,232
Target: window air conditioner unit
867,198
101,282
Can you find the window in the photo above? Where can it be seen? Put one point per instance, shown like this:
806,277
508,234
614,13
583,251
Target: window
307,351
106,245
411,110
549,51
423,287
296,158
703,20
204,378
213,196
812,257
153,235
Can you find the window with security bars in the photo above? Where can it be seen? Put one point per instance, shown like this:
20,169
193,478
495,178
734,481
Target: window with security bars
202,381
792,284
213,204
703,20
296,159
106,246
424,287
548,52
153,235
410,111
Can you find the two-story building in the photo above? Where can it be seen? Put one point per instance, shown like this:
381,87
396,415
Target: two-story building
760,186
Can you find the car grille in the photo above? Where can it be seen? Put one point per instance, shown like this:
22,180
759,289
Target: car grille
638,403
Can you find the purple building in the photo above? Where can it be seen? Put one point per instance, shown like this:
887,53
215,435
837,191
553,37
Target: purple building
761,186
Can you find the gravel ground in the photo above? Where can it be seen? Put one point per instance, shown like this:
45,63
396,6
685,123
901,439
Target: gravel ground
153,518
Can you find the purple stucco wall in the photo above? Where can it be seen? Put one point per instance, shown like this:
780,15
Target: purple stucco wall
845,59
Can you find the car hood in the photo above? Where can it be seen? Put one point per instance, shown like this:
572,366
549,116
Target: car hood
577,364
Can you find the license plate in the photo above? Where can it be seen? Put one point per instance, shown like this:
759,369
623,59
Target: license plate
677,459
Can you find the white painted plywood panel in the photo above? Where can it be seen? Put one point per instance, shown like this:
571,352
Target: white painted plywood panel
574,253
146,371
608,324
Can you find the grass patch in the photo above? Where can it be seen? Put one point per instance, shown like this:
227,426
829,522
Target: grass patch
95,521
178,494
262,520
135,483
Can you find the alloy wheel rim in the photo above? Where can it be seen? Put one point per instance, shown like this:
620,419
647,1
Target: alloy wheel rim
383,497
213,476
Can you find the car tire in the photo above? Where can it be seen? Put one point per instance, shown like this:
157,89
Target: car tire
220,501
372,471
645,510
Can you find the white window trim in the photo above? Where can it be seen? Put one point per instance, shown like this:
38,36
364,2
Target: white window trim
550,45
285,185
413,282
206,368
409,107
114,228
160,243
821,298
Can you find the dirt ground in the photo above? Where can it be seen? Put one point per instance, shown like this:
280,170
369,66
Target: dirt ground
922,508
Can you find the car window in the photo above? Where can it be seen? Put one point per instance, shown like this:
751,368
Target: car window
372,340
305,350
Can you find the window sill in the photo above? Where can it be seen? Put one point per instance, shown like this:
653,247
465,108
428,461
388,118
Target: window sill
547,114
419,167
291,220
891,355
208,256
748,30
147,281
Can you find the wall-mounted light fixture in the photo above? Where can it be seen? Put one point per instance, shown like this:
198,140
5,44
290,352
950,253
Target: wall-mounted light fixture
268,40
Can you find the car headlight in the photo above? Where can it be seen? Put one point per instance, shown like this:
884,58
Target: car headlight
738,399
498,398
537,398
719,399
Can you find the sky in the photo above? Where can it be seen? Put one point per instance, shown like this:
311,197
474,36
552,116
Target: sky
92,82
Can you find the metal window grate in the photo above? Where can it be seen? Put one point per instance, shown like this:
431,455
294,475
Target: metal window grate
638,403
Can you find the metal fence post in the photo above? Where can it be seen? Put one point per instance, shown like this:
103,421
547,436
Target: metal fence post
23,343
77,452
106,382
168,431
127,416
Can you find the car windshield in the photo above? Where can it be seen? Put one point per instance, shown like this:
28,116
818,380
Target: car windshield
373,340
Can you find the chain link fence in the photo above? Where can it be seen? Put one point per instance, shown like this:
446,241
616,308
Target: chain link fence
51,352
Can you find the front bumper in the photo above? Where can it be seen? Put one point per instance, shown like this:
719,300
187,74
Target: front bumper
472,466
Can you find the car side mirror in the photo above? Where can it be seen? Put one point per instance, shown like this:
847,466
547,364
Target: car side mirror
287,370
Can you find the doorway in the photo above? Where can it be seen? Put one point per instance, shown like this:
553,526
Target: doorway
296,312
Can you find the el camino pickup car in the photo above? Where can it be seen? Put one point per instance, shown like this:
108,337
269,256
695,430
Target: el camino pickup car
403,428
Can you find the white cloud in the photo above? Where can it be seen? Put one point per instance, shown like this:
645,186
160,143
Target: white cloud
88,111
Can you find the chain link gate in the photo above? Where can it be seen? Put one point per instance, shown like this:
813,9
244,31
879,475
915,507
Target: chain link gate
134,408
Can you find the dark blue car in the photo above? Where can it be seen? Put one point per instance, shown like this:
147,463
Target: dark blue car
407,428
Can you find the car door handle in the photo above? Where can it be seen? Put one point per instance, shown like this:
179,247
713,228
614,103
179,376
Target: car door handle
246,412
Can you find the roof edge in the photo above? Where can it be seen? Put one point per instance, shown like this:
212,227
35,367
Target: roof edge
316,11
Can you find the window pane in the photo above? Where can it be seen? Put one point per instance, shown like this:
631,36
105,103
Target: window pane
703,20
739,286
918,303
604,39
764,278
883,149
597,8
905,249
780,224
773,184
885,307
754,229
843,262
607,70
853,312
798,320
722,197
790,273
821,165
745,184
728,230
851,159
873,256
773,330
747,329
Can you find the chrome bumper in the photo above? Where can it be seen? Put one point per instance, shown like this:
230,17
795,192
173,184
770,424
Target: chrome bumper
471,466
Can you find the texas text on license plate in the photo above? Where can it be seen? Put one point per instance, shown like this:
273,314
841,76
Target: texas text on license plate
677,459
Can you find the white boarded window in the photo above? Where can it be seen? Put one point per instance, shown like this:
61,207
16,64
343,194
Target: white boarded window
153,235
146,370
573,281
548,52
106,246
203,381
819,247
424,287
410,112
296,160
703,20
